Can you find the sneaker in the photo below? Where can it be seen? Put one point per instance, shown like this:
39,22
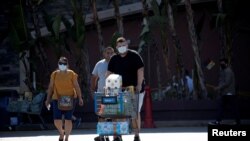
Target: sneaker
118,138
106,139
137,138
78,122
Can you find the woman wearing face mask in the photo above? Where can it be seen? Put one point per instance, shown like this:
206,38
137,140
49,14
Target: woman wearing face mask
63,81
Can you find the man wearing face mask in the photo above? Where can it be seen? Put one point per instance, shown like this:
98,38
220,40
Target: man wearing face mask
129,64
63,82
227,94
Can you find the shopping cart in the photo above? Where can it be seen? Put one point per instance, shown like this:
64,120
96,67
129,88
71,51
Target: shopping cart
115,112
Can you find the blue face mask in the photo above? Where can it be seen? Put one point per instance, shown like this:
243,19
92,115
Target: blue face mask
62,67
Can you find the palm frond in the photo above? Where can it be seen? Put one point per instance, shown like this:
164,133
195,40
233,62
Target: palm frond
56,27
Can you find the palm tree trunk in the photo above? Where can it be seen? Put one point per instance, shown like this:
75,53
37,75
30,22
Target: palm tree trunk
195,47
225,35
180,66
229,47
164,51
81,56
165,47
157,53
118,17
145,18
219,4
98,26
160,50
38,49
80,51
85,77
221,30
27,80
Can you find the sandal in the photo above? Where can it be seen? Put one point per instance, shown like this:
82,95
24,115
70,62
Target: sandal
61,139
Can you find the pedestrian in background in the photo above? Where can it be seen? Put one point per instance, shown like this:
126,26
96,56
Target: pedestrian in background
227,94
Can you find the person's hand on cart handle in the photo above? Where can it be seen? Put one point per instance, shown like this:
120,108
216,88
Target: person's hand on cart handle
138,89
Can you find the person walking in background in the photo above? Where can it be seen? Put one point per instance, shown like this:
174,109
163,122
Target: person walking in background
63,82
130,66
99,71
98,76
227,94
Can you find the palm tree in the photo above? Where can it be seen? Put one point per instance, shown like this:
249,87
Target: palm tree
23,42
118,17
98,26
159,19
34,6
144,36
147,42
81,52
180,66
74,41
193,37
221,28
225,23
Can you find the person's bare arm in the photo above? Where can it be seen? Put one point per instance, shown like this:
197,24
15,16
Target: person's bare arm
78,91
94,79
108,73
93,83
140,78
50,92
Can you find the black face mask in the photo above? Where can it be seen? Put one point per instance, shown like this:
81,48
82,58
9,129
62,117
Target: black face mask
223,66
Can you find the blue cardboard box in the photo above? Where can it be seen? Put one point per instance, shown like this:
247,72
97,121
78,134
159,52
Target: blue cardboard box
111,128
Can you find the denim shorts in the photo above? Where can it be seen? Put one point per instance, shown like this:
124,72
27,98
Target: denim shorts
57,114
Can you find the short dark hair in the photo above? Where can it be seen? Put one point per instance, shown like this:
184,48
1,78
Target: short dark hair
108,48
63,59
120,40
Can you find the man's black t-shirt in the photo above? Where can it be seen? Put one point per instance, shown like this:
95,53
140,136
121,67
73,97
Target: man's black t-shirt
126,67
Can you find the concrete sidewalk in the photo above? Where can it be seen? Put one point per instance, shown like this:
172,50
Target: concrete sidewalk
147,134
158,124
164,131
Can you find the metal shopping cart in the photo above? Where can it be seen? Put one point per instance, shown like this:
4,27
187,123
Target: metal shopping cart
115,112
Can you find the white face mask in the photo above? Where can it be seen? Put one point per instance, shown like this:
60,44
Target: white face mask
122,49
62,67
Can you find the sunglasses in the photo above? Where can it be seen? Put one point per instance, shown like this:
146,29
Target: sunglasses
62,63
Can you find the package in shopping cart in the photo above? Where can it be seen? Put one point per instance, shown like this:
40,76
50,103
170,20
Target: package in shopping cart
111,128
113,81
119,105
113,84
